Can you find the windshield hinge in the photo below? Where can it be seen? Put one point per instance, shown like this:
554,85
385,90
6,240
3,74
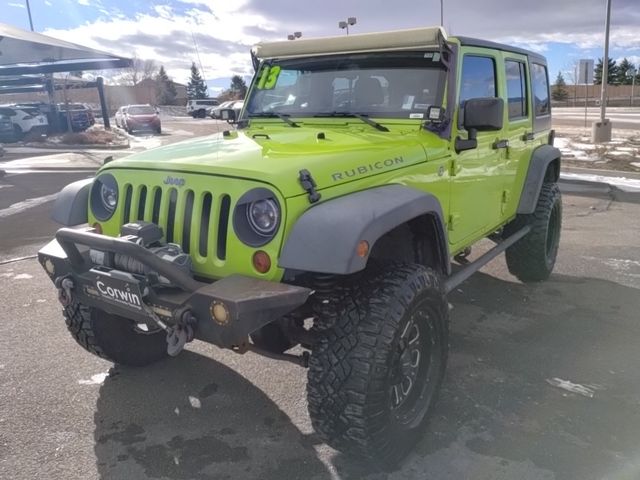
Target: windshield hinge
309,185
452,171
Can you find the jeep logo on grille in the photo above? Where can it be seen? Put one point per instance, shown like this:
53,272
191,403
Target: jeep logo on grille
177,181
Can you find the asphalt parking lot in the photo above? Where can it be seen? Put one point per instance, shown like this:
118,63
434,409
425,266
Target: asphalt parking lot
210,414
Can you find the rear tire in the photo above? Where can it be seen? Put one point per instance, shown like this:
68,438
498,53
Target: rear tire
375,374
114,338
533,257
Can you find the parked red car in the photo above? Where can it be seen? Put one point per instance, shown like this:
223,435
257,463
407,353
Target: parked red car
138,117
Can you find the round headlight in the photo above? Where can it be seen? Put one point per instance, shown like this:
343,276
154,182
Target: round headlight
109,197
257,217
263,216
104,196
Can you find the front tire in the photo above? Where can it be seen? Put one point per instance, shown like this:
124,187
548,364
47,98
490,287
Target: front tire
533,257
114,338
375,374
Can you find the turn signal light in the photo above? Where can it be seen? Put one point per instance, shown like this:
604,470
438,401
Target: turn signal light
363,248
261,261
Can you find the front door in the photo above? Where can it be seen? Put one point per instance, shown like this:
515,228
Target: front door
477,181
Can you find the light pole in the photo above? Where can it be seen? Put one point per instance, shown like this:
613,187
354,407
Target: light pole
442,13
345,24
294,35
634,72
601,131
29,12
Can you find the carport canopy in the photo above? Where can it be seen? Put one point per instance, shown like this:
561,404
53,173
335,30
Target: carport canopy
24,53
26,57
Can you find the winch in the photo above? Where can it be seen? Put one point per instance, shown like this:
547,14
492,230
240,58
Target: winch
148,235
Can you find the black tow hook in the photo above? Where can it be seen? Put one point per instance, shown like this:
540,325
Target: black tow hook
181,333
64,286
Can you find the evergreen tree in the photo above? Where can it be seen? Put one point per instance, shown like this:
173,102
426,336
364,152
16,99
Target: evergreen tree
559,91
165,89
238,87
625,72
196,88
611,73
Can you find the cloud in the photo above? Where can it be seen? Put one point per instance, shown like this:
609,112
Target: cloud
16,5
224,31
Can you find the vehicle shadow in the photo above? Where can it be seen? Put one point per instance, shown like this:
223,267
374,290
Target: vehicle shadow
498,417
194,418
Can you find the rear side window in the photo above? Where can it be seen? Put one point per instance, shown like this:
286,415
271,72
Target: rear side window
516,88
540,81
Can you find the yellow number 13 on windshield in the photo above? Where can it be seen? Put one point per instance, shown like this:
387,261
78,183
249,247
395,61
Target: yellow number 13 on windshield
269,77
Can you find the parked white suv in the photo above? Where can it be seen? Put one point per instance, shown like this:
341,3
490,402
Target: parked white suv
197,108
25,120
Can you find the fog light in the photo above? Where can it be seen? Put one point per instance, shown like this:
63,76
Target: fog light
261,261
49,267
219,313
363,248
97,227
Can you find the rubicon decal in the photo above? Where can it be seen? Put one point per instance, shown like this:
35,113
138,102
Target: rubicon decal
368,168
118,295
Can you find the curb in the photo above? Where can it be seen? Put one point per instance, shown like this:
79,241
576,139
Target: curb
597,190
87,146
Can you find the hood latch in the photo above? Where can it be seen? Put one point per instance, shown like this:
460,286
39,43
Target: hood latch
309,185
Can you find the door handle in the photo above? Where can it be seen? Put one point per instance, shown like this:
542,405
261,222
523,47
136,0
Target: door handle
500,144
527,137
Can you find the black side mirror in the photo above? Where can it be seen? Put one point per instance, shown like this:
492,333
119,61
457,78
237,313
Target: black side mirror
480,115
483,114
228,114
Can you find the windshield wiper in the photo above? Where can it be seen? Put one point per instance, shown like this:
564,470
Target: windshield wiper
282,116
360,116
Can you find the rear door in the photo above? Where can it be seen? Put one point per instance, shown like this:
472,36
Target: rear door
477,183
518,127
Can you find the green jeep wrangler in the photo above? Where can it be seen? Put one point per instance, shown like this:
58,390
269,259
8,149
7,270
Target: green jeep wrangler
328,227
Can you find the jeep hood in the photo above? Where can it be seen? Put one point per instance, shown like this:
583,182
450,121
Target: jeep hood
277,155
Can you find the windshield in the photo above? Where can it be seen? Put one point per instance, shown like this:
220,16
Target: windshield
385,85
142,110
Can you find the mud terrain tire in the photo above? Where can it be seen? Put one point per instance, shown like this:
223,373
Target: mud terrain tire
532,259
356,367
113,338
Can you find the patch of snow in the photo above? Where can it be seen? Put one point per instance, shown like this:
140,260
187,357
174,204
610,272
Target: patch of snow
97,379
177,411
40,300
560,142
6,186
585,391
195,402
635,164
23,276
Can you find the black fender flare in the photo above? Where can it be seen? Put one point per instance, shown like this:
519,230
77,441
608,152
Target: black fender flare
71,205
540,160
325,238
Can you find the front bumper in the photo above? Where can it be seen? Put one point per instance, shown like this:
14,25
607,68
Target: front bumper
249,303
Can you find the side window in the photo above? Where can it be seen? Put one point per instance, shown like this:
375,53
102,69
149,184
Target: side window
478,78
516,88
540,83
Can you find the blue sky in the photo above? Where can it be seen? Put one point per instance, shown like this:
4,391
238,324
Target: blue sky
164,30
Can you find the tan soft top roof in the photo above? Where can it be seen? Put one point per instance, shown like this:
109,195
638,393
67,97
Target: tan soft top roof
411,39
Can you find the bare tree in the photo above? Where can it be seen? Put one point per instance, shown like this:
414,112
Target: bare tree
138,71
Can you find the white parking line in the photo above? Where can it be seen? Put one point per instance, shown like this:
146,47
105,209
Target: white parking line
24,205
